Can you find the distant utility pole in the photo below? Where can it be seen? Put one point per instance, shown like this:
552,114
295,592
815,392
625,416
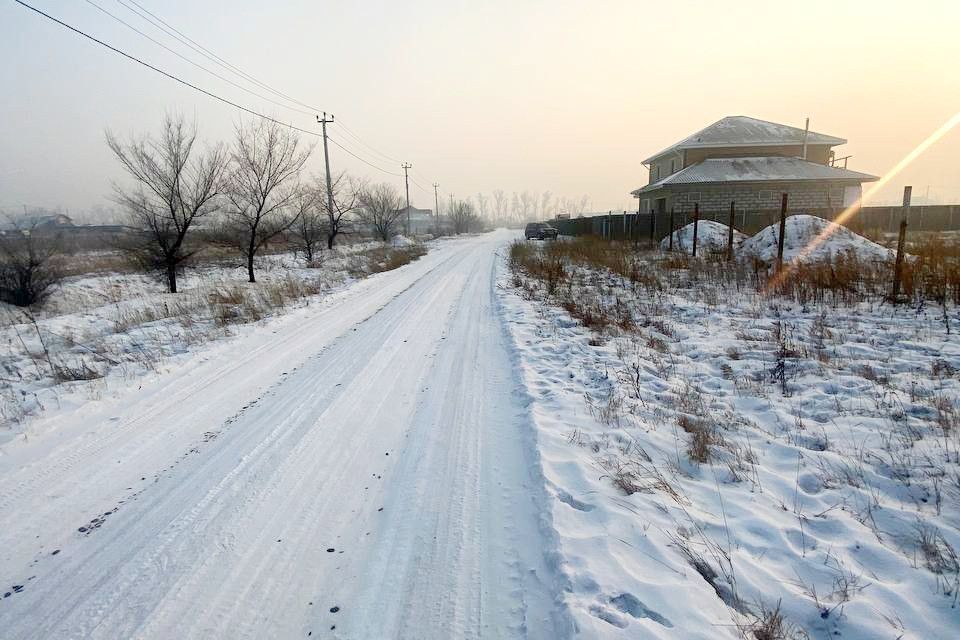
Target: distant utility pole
406,180
436,202
326,161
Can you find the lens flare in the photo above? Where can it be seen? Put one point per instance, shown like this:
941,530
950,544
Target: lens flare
850,211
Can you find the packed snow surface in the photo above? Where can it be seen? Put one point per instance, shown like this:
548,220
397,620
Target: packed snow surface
803,240
364,467
711,236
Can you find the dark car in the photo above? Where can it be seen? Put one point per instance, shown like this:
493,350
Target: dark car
540,231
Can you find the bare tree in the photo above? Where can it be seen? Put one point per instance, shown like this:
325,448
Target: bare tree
309,230
263,185
380,209
346,202
546,201
482,205
464,216
500,205
583,205
176,184
28,262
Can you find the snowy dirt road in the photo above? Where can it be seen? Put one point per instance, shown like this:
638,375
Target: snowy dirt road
364,468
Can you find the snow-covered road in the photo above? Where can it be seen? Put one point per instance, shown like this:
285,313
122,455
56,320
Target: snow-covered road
362,468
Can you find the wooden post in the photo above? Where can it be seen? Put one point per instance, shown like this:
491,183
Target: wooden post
696,223
653,225
783,231
730,232
670,242
898,265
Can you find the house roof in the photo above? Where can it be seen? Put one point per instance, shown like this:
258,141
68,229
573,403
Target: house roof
742,131
763,169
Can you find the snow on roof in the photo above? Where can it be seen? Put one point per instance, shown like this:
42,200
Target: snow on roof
762,169
741,131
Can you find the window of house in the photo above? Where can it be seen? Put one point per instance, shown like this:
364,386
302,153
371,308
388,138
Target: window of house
673,166
645,205
656,172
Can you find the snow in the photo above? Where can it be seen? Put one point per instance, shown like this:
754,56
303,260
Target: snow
362,467
123,326
401,240
807,238
814,498
433,452
801,230
711,236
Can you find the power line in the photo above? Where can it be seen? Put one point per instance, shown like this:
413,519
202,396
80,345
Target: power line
199,66
196,88
196,46
371,148
167,28
367,162
161,71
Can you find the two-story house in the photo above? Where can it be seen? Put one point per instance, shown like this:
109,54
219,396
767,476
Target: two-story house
751,162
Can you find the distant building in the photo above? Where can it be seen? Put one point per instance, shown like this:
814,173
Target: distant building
421,221
38,221
751,162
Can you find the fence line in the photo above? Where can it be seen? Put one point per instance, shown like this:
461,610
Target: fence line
869,220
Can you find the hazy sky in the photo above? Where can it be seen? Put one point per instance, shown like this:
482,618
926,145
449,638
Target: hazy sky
526,94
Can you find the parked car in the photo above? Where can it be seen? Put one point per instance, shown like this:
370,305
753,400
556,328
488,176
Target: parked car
540,231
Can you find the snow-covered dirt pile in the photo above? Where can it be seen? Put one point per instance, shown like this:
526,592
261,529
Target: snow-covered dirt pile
803,240
711,236
100,332
728,459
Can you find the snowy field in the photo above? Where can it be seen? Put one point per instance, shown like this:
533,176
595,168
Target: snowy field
728,462
102,332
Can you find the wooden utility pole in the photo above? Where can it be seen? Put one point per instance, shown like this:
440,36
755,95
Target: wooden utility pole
783,231
733,207
406,181
653,225
436,201
696,225
898,265
326,161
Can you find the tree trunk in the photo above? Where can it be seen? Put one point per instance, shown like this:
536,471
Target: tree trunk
251,250
330,237
172,277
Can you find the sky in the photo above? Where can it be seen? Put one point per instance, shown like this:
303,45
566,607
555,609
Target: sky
560,96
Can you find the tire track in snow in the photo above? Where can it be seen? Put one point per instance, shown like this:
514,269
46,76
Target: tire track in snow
415,411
